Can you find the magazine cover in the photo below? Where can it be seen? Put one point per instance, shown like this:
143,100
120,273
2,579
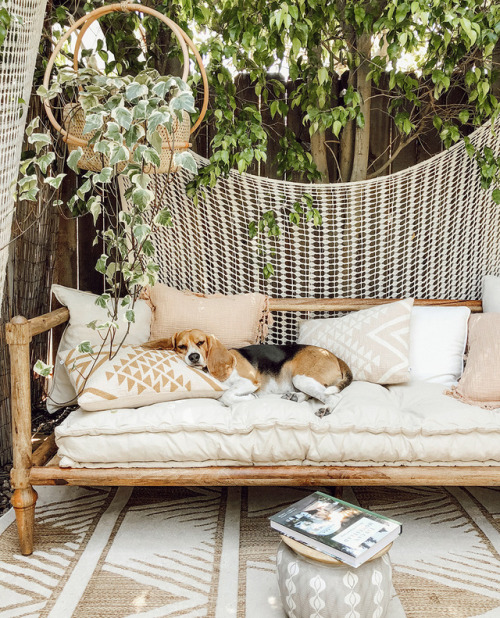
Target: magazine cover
340,529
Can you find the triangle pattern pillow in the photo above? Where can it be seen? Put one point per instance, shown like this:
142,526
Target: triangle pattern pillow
374,342
135,377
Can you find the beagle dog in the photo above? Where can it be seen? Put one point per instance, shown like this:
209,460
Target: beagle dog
295,371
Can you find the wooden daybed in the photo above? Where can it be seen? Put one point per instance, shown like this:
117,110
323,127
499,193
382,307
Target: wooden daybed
41,467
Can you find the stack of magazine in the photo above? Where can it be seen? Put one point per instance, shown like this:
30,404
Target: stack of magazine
346,532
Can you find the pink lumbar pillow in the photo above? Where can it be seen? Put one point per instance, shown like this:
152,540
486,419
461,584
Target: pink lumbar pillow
480,382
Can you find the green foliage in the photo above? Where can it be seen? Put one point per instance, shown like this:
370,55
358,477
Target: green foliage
5,21
318,43
124,115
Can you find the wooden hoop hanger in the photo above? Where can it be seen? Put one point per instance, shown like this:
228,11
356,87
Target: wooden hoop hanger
86,21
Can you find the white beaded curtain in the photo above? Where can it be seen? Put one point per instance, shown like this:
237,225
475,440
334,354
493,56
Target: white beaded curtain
17,63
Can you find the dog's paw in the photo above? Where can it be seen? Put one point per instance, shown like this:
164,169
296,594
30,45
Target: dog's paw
323,412
290,397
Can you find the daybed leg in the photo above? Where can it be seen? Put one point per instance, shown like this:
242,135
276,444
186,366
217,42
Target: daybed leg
23,501
18,333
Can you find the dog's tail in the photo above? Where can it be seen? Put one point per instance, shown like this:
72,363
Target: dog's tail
346,378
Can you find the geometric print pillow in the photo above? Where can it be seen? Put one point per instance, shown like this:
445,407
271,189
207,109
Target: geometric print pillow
374,342
135,377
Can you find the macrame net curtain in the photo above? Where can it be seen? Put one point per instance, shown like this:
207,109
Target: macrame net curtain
17,63
429,231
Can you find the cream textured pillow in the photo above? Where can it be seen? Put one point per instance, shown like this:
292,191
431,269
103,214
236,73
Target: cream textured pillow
135,377
373,342
480,382
82,310
237,320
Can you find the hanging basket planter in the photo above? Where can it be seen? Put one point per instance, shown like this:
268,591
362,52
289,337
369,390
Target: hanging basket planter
174,140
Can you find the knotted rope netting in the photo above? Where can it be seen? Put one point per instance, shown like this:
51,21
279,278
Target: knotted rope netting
17,63
429,231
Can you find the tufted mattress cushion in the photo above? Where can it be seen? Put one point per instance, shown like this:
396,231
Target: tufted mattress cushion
407,424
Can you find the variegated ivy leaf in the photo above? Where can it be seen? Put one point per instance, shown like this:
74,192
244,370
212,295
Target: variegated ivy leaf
155,140
186,160
151,156
113,133
103,299
101,268
136,91
28,182
138,153
107,326
159,118
104,175
141,180
40,140
183,101
140,110
84,189
93,122
73,159
34,124
123,117
124,217
54,182
44,161
42,369
85,347
118,154
142,198
130,315
141,231
88,101
30,195
134,134
126,300
94,206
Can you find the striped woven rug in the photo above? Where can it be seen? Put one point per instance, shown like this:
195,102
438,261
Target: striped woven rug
210,552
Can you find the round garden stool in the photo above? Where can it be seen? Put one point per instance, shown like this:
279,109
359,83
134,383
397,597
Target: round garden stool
313,584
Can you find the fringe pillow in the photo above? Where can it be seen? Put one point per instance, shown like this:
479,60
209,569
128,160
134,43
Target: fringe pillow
236,320
480,382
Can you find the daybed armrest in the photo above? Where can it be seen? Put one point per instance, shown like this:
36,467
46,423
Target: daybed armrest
19,333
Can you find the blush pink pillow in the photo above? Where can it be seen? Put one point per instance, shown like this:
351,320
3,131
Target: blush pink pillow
236,320
480,382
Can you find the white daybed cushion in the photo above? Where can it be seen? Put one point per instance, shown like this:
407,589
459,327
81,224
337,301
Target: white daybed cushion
438,336
412,424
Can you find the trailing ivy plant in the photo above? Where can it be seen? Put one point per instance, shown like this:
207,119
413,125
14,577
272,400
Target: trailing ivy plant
123,118
5,19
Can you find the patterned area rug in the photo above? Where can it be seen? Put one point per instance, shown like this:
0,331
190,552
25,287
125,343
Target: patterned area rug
210,552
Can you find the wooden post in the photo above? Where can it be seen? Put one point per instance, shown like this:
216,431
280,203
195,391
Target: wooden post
18,335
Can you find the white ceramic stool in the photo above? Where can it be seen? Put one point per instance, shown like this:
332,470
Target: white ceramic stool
313,584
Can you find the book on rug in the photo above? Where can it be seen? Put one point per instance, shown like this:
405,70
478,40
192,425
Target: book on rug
344,531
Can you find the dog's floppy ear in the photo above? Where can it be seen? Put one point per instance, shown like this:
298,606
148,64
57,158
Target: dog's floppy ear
220,362
160,344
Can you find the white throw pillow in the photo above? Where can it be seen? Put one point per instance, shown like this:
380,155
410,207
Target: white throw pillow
82,310
373,342
438,336
491,294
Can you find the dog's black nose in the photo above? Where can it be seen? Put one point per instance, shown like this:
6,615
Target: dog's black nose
194,357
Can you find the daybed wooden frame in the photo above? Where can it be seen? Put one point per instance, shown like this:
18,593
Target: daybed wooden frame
36,468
